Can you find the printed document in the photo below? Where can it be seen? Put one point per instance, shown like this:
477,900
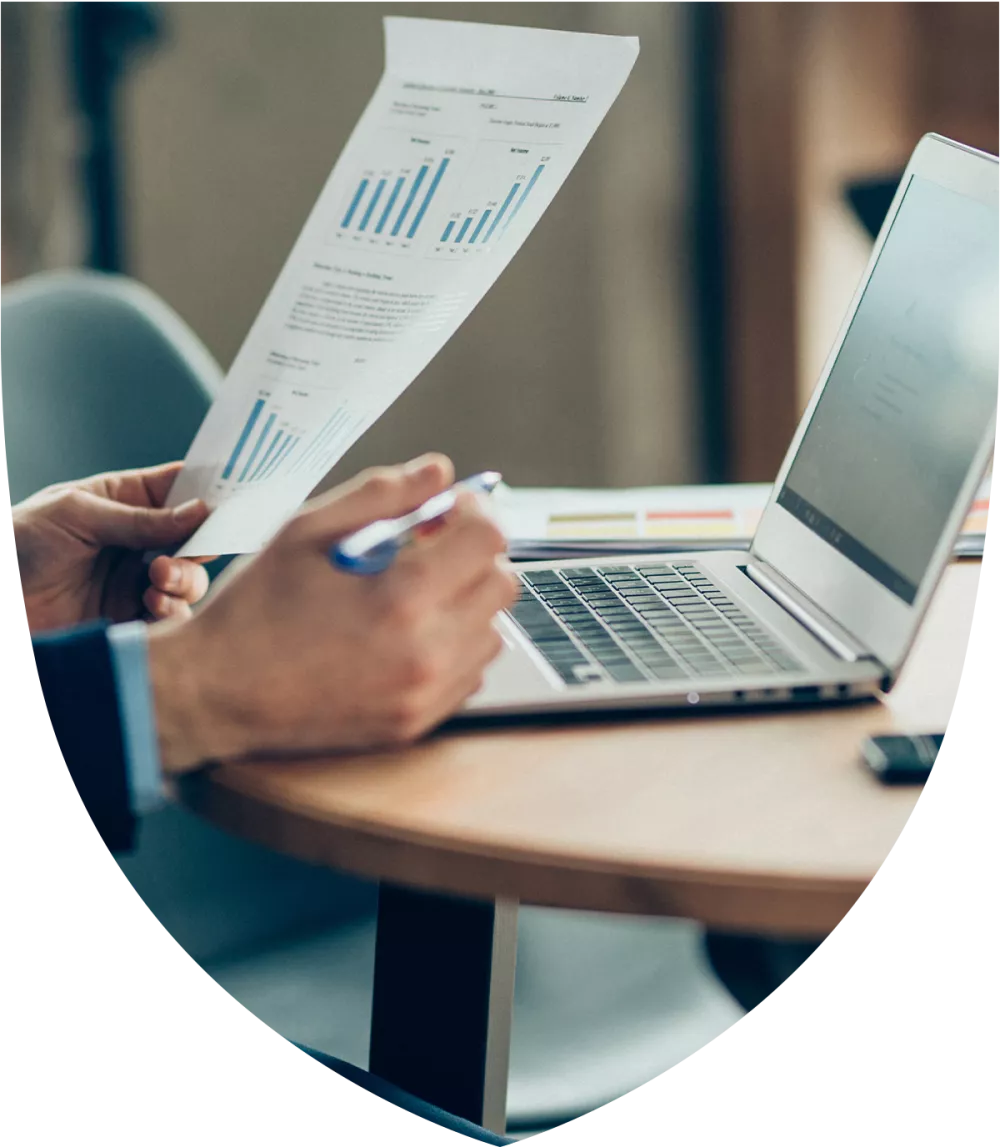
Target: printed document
553,523
468,137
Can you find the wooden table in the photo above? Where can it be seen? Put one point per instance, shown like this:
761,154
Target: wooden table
760,822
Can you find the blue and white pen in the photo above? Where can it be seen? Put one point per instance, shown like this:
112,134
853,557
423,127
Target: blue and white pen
373,548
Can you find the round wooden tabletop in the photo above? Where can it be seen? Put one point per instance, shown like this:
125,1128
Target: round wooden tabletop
762,821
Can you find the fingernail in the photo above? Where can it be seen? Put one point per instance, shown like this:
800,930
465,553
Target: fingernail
173,578
188,510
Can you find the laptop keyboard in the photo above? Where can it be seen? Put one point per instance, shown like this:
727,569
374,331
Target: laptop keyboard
662,622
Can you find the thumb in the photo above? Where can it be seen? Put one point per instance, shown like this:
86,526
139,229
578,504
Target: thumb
111,523
384,492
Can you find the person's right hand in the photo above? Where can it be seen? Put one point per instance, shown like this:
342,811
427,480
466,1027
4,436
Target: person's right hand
291,655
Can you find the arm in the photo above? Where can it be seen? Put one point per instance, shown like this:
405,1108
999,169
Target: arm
77,674
95,680
288,656
79,550
291,656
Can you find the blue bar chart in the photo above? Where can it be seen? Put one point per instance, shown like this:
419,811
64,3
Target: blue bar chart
397,187
483,220
352,208
245,433
503,211
372,204
499,184
268,442
428,194
390,202
528,188
408,201
428,198
261,438
264,463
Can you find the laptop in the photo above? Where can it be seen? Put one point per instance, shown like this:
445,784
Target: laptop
861,521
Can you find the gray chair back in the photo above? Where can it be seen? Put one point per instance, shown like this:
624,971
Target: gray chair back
99,374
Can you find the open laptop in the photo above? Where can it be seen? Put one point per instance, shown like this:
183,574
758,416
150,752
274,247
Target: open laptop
862,519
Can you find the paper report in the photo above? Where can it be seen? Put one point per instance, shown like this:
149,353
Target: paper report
468,137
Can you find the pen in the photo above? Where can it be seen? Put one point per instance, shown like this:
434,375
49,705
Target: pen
373,548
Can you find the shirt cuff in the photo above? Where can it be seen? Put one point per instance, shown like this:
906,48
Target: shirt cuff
135,702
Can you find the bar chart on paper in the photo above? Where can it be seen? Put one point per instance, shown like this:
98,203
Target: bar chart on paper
490,198
270,438
388,204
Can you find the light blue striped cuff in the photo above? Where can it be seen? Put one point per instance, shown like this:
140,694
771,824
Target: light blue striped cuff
135,700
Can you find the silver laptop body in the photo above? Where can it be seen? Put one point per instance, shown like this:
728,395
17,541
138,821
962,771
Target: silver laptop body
862,519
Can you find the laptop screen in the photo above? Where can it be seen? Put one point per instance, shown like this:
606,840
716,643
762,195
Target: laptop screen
891,440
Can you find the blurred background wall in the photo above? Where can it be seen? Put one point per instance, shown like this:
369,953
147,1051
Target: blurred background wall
234,127
576,368
668,317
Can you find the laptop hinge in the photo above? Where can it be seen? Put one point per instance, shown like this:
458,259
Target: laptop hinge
819,624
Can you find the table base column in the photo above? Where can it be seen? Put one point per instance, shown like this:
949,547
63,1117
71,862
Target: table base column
443,1000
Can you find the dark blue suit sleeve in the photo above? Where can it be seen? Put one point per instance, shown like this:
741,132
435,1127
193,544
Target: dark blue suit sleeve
78,682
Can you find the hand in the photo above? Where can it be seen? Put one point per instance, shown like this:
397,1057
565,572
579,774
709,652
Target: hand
291,655
80,544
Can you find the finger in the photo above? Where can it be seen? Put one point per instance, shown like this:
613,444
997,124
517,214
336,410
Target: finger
146,487
442,566
108,523
496,591
386,492
468,686
158,481
470,649
467,682
451,694
182,579
162,606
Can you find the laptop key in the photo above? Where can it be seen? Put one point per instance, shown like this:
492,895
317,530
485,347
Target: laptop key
673,620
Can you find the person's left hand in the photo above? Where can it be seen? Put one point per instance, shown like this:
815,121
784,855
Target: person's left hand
80,545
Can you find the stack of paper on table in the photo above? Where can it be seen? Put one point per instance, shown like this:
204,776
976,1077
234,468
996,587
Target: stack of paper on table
563,523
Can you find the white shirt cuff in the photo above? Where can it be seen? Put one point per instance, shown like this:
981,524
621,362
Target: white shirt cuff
135,701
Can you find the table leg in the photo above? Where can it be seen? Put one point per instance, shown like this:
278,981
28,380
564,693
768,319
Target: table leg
443,1000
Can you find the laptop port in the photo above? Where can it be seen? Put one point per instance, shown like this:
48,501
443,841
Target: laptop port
805,692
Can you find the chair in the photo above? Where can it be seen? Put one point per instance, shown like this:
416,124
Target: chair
99,374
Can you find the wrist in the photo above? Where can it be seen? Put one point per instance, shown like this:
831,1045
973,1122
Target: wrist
191,727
